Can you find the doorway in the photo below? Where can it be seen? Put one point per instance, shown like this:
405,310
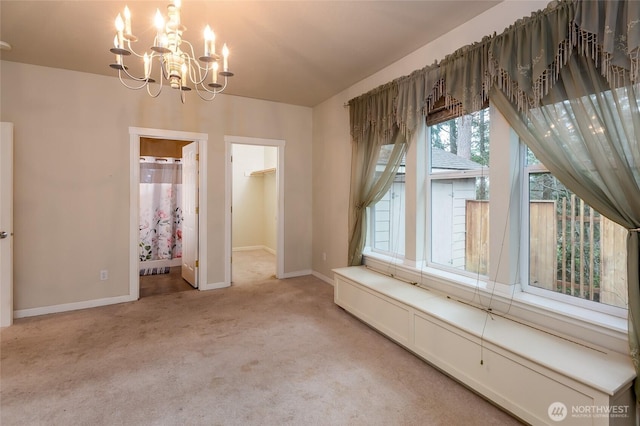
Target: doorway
254,230
190,149
168,240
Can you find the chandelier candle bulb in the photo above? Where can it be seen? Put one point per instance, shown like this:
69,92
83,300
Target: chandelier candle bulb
119,29
225,56
214,74
209,42
127,21
146,66
159,23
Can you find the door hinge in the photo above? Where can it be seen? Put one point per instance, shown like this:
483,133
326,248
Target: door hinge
197,157
197,210
197,263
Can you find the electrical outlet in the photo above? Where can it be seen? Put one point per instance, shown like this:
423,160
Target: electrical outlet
324,257
104,275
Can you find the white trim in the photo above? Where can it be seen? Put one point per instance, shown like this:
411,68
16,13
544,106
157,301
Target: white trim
135,133
598,328
295,274
65,307
6,224
323,277
212,286
251,248
279,144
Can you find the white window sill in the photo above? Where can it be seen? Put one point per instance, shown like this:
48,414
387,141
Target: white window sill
593,327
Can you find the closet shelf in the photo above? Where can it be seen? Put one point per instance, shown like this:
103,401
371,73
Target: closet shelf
262,172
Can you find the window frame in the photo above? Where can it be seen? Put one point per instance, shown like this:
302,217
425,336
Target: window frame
508,281
526,286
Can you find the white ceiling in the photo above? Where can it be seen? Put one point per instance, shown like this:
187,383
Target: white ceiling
297,52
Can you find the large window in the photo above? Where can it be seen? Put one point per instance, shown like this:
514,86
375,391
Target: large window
573,250
458,182
532,234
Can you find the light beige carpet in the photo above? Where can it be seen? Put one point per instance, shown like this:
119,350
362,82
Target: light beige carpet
266,352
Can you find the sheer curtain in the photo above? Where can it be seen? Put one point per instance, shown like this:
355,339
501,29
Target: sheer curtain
160,214
587,134
373,127
568,79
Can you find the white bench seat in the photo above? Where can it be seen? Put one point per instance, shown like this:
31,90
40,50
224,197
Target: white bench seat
519,367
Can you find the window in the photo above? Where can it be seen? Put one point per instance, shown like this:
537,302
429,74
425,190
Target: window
387,216
573,250
458,184
473,202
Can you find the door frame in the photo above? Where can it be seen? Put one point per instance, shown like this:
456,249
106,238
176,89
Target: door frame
6,224
228,249
135,133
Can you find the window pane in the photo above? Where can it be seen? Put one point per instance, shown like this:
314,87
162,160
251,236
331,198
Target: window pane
572,248
459,183
387,216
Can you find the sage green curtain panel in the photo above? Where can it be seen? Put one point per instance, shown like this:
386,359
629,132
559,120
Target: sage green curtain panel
568,80
371,174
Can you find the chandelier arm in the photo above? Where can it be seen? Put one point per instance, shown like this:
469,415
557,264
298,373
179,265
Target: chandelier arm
201,89
128,86
133,51
133,77
154,95
205,98
201,78
164,72
194,65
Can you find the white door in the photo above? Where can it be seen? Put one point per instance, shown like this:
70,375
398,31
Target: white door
6,224
190,213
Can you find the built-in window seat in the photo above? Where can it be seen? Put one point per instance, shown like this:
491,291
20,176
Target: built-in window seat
538,376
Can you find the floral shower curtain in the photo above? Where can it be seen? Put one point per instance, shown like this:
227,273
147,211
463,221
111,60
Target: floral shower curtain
160,213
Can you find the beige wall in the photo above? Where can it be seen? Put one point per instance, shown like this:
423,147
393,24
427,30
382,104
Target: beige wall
71,200
331,140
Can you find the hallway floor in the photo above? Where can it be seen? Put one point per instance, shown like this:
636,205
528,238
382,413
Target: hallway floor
248,266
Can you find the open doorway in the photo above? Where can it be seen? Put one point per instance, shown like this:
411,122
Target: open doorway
254,213
163,255
163,209
254,219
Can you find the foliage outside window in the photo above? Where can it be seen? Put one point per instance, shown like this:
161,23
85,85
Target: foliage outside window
573,250
459,192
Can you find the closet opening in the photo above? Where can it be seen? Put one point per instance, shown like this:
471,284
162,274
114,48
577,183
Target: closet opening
254,219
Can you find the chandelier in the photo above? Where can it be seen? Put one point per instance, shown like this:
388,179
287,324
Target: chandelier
177,65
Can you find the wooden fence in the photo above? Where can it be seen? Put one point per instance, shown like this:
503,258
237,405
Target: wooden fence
572,249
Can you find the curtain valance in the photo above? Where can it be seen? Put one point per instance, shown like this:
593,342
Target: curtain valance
524,61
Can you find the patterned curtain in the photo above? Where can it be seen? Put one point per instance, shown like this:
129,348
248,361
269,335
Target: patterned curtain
160,209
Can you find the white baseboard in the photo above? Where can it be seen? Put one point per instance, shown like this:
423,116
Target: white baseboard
296,274
323,277
250,248
54,309
212,286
